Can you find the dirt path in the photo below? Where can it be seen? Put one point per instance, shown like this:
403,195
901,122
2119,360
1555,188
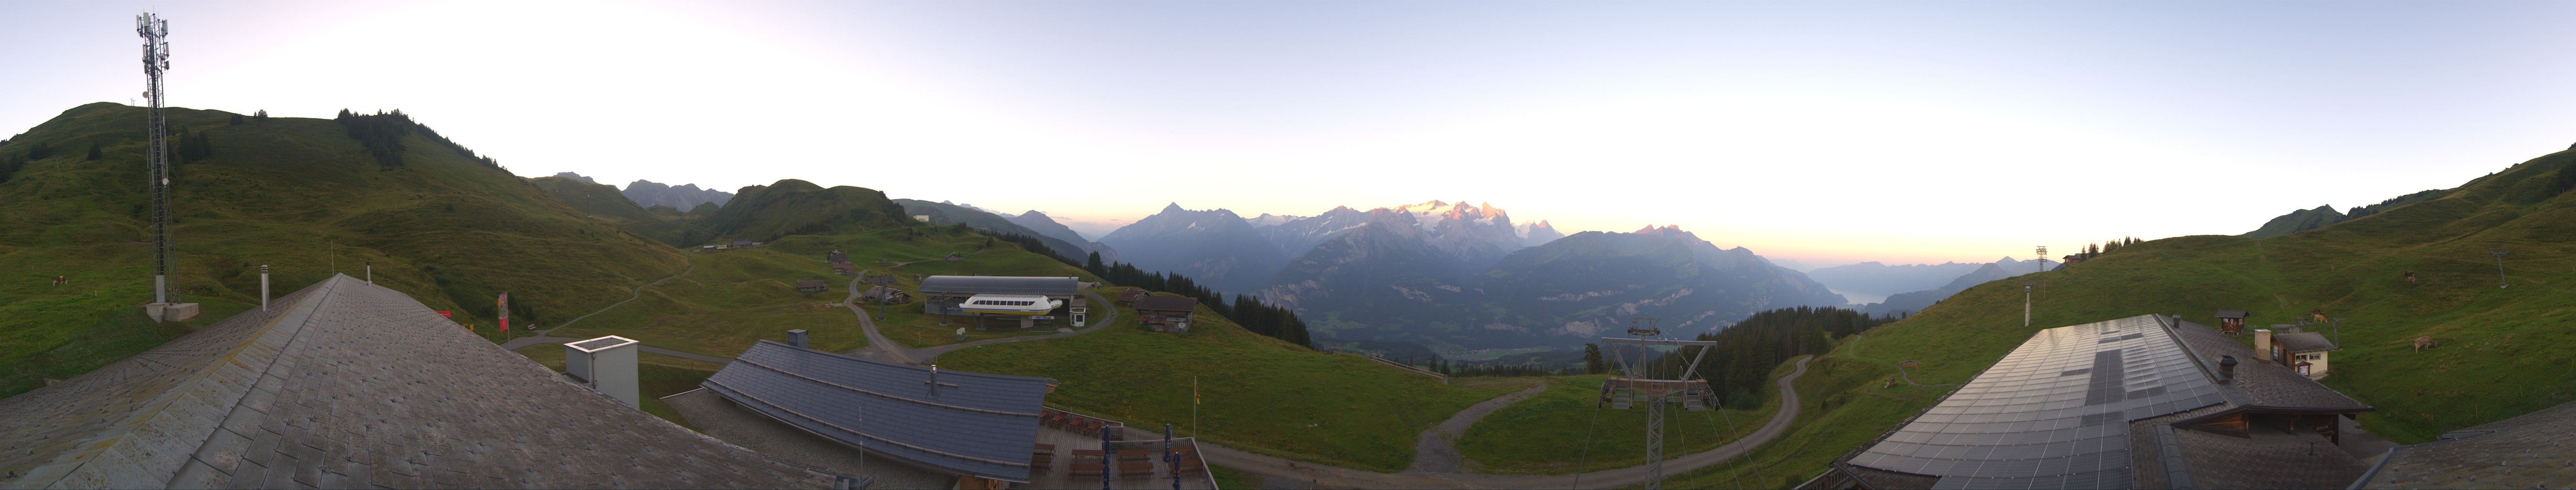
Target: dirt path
879,347
1437,450
1338,477
630,297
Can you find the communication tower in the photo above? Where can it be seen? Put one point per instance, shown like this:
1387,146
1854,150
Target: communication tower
1641,385
156,152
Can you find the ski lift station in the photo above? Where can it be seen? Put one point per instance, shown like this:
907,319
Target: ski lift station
1026,299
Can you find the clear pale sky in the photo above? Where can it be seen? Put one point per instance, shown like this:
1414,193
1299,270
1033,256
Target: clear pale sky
1822,132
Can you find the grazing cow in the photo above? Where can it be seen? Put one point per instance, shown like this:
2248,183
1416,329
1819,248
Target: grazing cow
2317,314
2422,343
60,280
2410,277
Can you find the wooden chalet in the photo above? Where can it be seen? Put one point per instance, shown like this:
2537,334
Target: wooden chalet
844,268
1129,296
812,286
1166,313
885,295
836,257
2231,321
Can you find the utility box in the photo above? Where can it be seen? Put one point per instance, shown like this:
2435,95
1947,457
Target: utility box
170,312
606,364
1080,314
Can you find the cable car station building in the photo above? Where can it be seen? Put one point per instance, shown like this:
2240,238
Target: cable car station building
1028,299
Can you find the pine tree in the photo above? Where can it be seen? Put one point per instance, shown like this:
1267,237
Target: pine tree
94,151
262,115
1592,359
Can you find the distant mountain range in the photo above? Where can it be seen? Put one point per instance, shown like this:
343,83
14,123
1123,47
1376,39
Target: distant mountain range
1426,272
2004,268
1045,225
1215,247
945,213
1877,279
646,193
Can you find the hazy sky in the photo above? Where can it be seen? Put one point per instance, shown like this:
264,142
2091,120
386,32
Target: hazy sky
1822,132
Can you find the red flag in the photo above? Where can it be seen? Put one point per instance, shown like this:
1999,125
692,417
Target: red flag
445,314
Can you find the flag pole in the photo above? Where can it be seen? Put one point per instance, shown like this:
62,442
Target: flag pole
1194,406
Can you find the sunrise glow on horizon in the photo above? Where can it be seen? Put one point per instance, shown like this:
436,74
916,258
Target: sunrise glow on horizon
1821,133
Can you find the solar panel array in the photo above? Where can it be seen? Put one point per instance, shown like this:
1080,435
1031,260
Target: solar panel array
2052,414
969,423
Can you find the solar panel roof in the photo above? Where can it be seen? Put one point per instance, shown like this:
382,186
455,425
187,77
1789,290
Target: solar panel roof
2052,414
969,423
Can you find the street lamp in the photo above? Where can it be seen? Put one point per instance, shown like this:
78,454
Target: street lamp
2025,301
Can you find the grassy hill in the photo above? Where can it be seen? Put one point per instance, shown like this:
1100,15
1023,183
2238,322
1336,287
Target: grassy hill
1257,393
1537,435
301,195
2494,341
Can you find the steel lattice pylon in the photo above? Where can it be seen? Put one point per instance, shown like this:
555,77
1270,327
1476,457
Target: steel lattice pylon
156,151
1655,391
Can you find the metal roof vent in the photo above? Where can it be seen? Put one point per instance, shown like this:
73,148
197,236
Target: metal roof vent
796,337
606,364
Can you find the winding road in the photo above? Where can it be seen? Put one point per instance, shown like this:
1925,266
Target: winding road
1338,477
1437,450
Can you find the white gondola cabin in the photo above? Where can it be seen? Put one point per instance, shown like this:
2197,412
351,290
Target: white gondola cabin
1009,304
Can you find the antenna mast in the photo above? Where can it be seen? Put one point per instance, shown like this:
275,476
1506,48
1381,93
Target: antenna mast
156,160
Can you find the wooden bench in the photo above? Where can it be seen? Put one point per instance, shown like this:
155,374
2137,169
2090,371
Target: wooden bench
1042,456
1131,469
1185,459
1088,468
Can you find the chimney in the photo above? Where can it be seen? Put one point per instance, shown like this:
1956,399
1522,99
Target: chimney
606,364
2263,344
2226,369
796,338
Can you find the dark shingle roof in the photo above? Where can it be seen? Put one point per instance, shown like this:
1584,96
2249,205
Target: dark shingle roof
972,285
1166,303
2528,451
2303,342
347,384
2261,384
970,423
812,283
